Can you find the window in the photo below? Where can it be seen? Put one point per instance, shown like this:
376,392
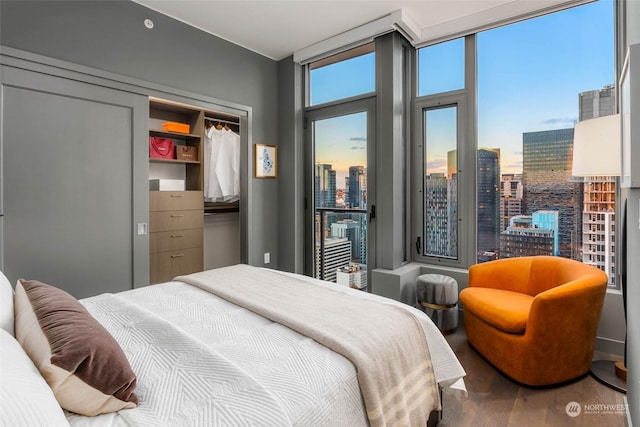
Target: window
440,116
440,182
441,68
535,80
343,75
340,136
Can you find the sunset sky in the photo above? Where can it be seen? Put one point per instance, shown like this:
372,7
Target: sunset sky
529,77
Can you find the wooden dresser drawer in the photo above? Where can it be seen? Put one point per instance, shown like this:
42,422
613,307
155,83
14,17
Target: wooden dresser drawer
176,239
167,265
175,220
175,200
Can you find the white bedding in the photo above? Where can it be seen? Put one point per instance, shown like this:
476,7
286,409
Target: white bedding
238,365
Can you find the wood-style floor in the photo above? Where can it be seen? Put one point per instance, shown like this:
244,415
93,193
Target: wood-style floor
494,400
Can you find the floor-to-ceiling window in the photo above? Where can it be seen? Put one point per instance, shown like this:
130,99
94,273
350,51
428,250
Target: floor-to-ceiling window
339,137
440,134
530,83
535,80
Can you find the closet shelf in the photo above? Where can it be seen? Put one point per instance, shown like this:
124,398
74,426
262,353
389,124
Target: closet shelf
220,207
160,132
155,160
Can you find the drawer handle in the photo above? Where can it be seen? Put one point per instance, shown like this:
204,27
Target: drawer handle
176,216
175,195
177,235
177,256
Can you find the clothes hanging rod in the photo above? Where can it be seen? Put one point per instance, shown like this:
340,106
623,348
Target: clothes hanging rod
222,121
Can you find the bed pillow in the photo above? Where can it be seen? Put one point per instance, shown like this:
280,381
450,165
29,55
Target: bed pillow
6,304
26,398
82,363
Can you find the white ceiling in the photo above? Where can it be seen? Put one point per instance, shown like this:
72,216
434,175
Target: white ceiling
278,28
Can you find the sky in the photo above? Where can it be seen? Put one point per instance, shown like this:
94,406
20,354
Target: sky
529,77
342,141
531,73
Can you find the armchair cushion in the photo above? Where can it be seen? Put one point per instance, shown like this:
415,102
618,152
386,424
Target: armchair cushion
504,310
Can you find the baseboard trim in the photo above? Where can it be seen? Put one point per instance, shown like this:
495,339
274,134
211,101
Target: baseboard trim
609,346
626,410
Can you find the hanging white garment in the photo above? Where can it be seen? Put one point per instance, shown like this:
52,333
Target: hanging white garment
212,143
228,166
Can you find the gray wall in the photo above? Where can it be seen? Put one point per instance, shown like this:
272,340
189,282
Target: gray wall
632,36
111,36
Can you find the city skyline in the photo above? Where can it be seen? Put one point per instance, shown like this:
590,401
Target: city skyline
341,142
530,80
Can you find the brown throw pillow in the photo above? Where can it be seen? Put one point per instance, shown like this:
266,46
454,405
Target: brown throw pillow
82,363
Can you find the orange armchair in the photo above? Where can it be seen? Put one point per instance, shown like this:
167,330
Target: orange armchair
535,318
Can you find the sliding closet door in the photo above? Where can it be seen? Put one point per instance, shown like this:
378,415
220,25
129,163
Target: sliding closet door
74,183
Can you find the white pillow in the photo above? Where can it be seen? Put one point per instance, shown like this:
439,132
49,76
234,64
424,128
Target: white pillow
6,305
26,398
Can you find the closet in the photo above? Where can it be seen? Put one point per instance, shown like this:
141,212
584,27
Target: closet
222,204
193,189
73,183
81,204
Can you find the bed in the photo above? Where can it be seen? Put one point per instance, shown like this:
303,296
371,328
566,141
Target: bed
197,358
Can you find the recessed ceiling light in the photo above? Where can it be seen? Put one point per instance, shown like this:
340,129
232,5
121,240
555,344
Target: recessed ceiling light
148,23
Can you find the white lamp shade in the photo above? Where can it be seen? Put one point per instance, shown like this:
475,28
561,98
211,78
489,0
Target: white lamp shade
596,147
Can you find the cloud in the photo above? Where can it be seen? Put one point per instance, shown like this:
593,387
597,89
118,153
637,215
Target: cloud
355,147
436,164
358,139
560,122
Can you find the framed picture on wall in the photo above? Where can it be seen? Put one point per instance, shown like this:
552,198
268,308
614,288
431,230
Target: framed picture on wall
266,162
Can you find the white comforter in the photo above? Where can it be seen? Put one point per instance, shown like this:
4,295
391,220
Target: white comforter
238,368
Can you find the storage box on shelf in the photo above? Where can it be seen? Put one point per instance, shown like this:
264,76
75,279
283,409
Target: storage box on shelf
187,152
176,127
166,185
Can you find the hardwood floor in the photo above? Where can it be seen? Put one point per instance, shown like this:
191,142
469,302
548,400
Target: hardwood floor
494,400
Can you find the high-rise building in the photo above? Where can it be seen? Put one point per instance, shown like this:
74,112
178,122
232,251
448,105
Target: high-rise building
336,254
488,205
597,103
354,276
325,186
525,238
598,224
355,232
548,220
357,187
441,209
510,198
598,213
548,185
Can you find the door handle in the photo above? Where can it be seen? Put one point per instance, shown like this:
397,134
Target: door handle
372,213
